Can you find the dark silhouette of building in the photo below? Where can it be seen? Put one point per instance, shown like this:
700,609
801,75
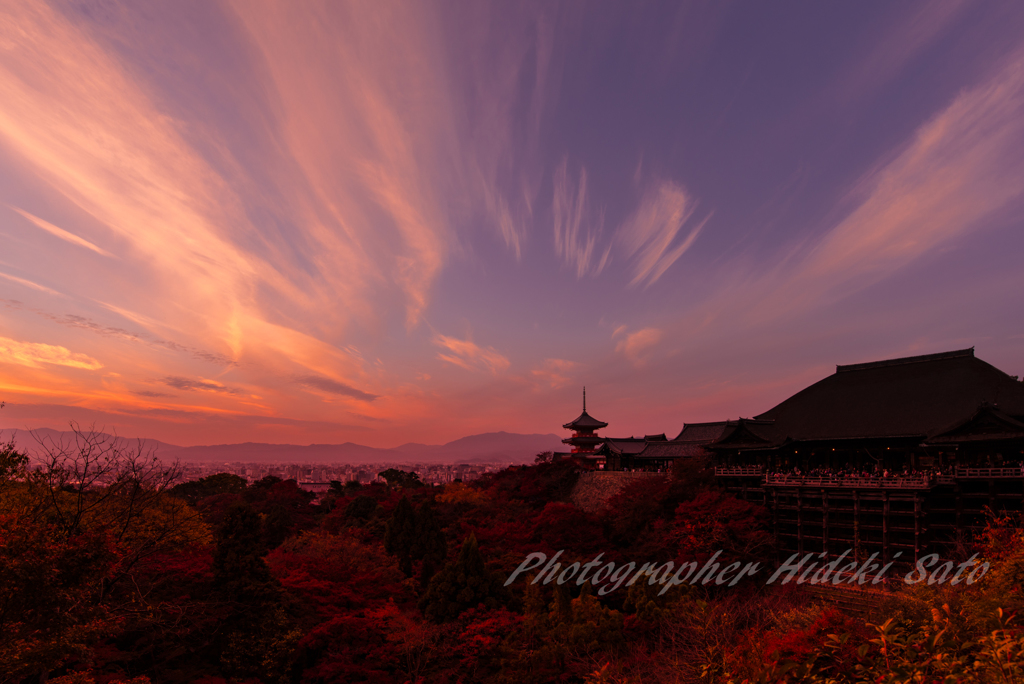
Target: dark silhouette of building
900,457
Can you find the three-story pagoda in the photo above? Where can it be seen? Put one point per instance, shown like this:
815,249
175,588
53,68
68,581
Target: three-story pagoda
583,440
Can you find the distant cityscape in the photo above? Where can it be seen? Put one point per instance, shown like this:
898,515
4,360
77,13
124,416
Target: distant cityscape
318,476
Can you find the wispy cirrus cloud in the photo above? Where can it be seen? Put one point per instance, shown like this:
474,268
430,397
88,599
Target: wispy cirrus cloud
183,223
902,40
378,149
960,171
650,233
513,231
61,233
576,233
467,354
116,332
29,284
960,167
34,354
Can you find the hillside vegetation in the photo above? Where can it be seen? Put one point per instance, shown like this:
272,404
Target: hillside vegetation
112,572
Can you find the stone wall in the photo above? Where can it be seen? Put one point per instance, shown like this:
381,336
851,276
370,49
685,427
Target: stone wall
595,487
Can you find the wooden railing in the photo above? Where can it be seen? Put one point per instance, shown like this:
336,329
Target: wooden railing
922,481
990,472
916,482
739,471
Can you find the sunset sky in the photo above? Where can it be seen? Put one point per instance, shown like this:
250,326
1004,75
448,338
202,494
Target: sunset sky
319,222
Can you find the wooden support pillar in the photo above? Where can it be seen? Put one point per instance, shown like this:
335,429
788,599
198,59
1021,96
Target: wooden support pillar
885,526
775,516
992,495
958,494
856,526
917,527
824,524
799,521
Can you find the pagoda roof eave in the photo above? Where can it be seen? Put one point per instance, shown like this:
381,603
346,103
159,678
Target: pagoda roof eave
585,421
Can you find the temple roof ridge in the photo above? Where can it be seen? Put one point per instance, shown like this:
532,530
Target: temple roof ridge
923,358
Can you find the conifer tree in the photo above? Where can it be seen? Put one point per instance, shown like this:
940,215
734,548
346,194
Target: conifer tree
239,570
361,508
463,584
400,535
258,640
430,544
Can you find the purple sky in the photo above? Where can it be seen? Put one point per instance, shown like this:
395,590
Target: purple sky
380,223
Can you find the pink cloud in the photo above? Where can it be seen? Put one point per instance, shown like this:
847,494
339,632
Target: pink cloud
32,354
555,373
466,354
636,345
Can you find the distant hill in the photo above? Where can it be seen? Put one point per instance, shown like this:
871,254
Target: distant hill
32,441
492,446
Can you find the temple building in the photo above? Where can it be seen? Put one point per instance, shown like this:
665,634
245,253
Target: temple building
917,413
584,440
900,457
651,452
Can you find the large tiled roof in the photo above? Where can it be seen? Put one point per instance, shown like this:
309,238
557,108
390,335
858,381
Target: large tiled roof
701,432
988,423
630,445
662,450
918,396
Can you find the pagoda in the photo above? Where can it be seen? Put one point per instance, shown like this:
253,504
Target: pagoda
583,440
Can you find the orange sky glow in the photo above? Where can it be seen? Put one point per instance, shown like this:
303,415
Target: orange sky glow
383,222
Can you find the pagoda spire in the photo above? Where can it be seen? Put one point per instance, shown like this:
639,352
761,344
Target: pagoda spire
584,398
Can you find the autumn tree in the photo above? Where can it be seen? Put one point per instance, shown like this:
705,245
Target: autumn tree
12,464
49,596
92,482
400,478
195,491
75,531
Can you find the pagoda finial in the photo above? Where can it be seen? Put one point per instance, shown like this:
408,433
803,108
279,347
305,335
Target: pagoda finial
584,398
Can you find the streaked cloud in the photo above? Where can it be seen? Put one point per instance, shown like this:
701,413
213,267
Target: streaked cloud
513,232
334,387
576,234
466,354
29,283
650,233
34,354
61,233
199,385
961,167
